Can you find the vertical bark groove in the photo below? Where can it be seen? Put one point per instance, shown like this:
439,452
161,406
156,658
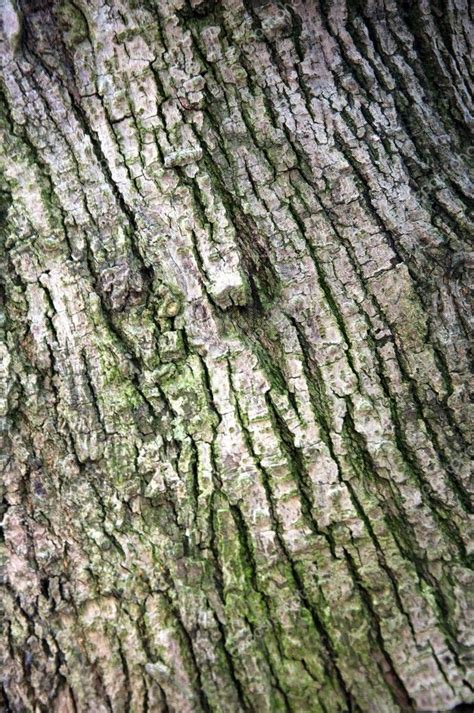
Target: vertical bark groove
234,382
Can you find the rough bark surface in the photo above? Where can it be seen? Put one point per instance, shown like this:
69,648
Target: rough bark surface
235,355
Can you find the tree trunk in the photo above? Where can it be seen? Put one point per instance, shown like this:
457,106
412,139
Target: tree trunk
235,356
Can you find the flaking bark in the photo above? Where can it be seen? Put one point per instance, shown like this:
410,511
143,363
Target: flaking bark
234,376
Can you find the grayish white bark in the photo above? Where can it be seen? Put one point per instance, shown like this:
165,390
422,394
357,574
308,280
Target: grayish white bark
234,401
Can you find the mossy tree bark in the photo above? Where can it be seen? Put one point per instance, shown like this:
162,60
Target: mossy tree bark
234,381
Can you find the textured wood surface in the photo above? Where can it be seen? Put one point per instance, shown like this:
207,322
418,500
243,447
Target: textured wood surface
234,386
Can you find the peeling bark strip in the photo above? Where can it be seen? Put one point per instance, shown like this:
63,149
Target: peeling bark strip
234,391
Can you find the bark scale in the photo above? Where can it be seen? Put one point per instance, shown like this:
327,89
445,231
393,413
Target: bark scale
234,393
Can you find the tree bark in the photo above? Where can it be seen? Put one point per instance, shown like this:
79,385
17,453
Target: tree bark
234,241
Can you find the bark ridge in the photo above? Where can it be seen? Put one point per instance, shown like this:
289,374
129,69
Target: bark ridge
234,396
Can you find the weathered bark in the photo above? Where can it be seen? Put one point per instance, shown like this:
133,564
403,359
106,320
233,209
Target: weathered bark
235,357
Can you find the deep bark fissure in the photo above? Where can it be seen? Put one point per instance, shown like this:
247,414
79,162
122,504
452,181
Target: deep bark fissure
234,356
